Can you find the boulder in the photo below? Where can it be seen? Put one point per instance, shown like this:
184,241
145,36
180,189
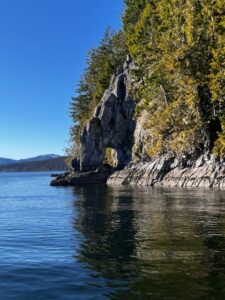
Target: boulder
99,176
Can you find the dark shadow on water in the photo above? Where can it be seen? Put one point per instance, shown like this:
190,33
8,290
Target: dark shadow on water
109,232
153,244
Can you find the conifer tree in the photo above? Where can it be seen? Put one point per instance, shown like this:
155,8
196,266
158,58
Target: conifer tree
102,62
217,75
179,53
172,44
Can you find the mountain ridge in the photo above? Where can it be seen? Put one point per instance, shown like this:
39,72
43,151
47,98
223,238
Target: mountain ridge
54,164
8,161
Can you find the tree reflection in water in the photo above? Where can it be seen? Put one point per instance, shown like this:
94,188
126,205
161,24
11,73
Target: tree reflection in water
153,244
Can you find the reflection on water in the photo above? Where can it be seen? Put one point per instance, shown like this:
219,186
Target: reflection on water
109,243
153,244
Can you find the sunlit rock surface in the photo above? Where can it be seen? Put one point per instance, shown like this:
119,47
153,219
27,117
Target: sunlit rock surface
204,172
113,126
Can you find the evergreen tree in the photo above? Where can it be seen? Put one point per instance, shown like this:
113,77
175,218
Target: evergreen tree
179,53
102,62
217,76
173,45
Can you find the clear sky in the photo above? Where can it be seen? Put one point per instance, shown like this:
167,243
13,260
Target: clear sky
44,44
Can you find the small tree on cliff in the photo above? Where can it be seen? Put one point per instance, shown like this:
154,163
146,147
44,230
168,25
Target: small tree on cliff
102,62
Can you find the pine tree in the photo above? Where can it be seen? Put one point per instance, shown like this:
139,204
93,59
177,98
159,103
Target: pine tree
102,62
172,44
217,76
179,53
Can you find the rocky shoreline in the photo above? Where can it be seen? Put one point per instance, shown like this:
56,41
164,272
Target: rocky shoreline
113,125
99,176
172,172
204,172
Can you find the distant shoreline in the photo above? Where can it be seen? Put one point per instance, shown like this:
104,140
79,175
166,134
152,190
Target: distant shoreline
55,164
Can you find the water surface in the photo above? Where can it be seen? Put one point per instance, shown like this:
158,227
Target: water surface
109,243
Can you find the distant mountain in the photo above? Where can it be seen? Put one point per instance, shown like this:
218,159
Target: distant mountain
40,158
53,164
7,161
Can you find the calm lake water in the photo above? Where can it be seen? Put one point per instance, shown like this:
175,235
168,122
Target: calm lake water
109,243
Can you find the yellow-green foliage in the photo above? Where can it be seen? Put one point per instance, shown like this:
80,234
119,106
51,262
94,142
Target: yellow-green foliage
219,147
109,156
179,50
217,76
102,62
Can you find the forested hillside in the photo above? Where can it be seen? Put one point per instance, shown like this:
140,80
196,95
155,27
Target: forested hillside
179,53
54,164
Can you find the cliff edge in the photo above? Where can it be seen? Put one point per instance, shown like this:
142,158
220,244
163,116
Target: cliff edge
113,126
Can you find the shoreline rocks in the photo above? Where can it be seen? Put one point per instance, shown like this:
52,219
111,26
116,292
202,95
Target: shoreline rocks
98,176
113,127
160,172
171,173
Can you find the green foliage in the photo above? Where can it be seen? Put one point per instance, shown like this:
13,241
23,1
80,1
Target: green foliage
217,76
109,154
102,62
132,14
179,52
219,147
178,47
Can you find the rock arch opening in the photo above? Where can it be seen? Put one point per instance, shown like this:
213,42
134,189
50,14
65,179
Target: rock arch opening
111,157
108,136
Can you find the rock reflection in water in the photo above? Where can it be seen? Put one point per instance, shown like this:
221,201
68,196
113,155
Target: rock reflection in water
153,244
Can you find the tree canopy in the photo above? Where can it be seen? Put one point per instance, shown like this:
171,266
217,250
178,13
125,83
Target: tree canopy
179,53
178,47
102,62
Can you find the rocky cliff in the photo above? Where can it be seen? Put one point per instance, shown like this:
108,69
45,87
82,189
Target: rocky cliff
203,172
113,126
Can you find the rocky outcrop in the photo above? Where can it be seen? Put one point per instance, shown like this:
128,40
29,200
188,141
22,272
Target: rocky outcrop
203,172
98,176
113,126
141,139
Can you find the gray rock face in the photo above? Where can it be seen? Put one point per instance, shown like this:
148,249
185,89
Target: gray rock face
202,172
112,126
98,176
141,139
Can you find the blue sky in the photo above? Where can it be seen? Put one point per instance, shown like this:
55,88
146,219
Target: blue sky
44,44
